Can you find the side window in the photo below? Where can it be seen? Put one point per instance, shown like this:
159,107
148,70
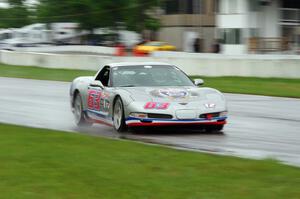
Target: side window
103,76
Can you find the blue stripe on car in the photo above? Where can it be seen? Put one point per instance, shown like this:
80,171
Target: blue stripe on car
171,120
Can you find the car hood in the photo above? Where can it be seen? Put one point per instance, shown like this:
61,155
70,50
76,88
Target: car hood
176,94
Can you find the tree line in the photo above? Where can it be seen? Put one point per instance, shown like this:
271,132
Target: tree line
131,14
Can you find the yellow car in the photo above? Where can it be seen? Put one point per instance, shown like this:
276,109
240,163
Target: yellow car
151,46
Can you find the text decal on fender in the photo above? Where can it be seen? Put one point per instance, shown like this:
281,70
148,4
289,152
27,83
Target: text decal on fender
156,105
98,100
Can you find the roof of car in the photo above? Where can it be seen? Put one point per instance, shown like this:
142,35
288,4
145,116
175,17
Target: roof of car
137,64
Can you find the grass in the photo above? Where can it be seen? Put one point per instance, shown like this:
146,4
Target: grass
247,85
30,72
259,86
38,163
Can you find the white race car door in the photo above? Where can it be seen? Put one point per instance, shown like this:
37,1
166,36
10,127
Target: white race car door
98,100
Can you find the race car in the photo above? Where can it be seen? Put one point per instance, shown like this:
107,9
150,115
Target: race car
151,46
146,94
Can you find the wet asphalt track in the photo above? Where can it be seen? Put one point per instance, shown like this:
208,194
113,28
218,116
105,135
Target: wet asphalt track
259,126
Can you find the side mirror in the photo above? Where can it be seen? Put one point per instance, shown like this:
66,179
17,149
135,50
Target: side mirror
96,83
198,82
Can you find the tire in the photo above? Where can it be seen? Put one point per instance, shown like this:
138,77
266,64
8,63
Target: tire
79,116
118,116
214,128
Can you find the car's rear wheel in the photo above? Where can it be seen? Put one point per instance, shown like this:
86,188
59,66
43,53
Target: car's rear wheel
118,116
214,128
80,119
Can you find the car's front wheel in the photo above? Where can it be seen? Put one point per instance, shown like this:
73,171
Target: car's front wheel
80,119
118,116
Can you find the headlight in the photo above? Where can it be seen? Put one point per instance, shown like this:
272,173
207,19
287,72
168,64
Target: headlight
138,115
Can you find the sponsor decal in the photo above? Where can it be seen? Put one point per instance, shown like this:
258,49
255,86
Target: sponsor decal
170,93
98,100
156,105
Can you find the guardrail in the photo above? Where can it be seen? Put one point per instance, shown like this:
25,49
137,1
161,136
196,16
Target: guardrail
284,66
69,48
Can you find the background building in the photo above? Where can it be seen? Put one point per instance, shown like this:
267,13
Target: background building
258,26
185,20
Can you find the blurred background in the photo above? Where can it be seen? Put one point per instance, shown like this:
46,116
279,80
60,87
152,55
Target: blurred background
202,26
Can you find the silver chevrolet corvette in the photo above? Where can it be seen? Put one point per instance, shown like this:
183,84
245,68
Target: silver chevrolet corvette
146,94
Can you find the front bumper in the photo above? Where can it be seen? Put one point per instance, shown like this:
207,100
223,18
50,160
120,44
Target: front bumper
135,122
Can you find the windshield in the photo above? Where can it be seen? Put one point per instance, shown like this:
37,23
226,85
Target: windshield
139,76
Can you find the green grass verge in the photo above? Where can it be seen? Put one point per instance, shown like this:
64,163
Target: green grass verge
258,86
39,163
248,85
30,72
